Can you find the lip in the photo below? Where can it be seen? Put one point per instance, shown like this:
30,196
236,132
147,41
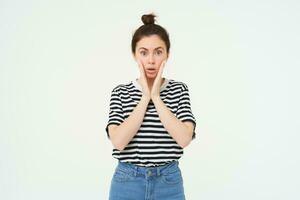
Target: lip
151,71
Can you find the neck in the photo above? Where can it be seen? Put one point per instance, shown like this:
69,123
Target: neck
151,81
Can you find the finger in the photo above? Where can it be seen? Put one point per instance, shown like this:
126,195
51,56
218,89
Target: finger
139,64
159,74
141,68
161,68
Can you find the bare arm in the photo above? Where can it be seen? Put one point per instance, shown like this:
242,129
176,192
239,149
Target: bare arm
181,132
122,134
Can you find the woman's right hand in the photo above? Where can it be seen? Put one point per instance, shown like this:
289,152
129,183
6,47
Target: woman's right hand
143,81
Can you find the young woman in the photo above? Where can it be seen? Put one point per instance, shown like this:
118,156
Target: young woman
150,122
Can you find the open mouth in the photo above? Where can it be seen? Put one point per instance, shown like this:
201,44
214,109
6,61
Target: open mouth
151,71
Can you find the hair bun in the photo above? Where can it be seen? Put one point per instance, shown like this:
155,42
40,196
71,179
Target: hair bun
148,19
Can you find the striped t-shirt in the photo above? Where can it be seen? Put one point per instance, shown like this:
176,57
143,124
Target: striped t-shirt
152,145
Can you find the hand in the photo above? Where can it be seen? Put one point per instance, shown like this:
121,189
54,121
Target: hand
143,81
155,91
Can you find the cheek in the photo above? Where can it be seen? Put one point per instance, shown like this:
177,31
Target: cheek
140,58
162,57
162,60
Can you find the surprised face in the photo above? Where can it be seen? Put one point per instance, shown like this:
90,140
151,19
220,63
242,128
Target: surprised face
151,51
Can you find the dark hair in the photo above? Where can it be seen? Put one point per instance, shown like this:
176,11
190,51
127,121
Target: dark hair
148,29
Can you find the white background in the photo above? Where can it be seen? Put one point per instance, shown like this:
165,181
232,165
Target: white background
59,61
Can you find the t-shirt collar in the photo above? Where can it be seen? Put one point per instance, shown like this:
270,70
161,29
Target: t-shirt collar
139,87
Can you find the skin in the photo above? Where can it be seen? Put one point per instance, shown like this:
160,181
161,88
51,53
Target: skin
151,53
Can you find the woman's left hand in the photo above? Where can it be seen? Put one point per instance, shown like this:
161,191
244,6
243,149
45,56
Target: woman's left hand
155,91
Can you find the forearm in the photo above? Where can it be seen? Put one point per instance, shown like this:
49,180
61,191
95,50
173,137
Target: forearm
175,127
125,131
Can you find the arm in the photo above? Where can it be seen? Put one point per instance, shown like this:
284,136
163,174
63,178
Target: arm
122,134
181,132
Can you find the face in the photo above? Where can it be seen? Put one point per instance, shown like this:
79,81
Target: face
151,51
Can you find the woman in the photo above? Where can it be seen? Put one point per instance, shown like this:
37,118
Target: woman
150,122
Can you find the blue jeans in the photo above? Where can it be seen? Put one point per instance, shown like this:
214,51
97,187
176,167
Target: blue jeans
132,182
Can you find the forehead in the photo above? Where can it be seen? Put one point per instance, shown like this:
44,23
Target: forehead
150,42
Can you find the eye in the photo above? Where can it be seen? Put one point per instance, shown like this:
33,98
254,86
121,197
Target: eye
159,52
143,53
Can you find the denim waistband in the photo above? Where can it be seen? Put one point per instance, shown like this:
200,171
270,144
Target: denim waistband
154,171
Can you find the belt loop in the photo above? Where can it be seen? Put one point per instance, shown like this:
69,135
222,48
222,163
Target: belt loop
135,170
158,171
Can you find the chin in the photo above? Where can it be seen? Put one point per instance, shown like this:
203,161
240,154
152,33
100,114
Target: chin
151,76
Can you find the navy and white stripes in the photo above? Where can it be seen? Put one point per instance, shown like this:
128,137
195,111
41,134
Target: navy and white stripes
152,145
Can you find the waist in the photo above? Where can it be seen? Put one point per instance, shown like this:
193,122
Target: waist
154,171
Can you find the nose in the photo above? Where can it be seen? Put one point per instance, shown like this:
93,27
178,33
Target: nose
151,59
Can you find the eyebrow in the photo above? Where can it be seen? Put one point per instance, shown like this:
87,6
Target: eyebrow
147,49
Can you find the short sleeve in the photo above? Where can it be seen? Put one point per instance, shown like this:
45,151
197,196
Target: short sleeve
116,115
184,111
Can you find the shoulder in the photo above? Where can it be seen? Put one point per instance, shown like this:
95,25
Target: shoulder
174,84
121,87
